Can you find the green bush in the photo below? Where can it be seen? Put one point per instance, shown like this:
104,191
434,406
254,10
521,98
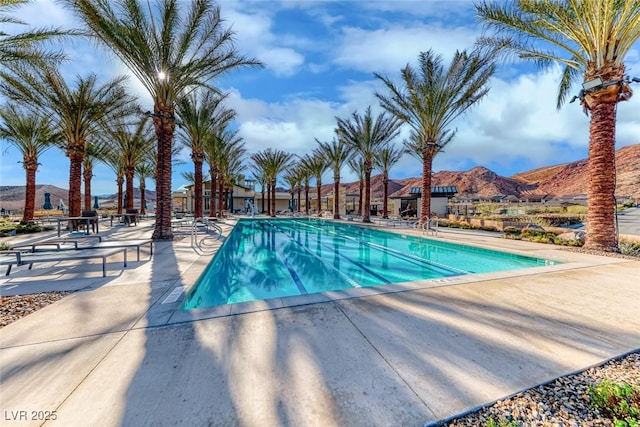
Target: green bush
4,246
620,402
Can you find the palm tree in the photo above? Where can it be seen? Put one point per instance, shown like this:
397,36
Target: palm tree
356,164
259,176
367,137
316,165
171,50
387,157
32,134
25,47
431,98
94,151
292,178
337,154
133,140
200,113
591,40
114,160
144,171
79,111
273,162
216,147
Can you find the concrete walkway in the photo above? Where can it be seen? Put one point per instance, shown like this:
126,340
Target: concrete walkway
120,352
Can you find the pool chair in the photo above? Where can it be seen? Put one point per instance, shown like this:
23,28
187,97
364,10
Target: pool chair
11,258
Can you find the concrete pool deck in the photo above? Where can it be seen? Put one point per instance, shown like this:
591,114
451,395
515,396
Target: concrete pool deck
118,352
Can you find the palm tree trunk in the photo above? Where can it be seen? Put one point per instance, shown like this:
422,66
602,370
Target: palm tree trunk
299,197
197,186
129,174
425,203
30,167
120,181
164,127
273,200
220,196
262,204
385,197
268,210
366,215
336,196
76,155
213,205
143,188
601,230
318,190
360,198
87,174
306,198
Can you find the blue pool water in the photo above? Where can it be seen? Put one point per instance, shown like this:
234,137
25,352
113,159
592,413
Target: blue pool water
272,258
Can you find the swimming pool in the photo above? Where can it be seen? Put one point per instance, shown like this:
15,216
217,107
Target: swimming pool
272,258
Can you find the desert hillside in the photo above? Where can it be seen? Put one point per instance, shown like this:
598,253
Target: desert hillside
561,180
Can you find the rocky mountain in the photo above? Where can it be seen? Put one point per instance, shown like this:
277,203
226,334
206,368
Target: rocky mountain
561,180
12,197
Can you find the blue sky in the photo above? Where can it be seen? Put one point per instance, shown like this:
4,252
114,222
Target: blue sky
319,59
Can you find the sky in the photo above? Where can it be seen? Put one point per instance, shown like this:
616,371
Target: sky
319,58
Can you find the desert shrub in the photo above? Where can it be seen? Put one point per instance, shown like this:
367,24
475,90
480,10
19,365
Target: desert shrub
620,402
12,229
4,246
512,231
501,423
629,248
488,228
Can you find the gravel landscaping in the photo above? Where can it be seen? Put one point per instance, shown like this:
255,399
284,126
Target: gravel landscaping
563,402
13,308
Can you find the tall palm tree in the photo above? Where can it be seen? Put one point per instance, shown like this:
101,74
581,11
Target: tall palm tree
367,137
316,164
32,135
201,113
114,160
431,98
217,146
292,178
171,50
357,166
259,176
144,171
79,111
337,154
94,151
27,46
133,140
591,40
273,162
387,157
230,165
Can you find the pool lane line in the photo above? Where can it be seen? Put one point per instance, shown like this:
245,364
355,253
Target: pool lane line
292,273
352,261
407,257
348,279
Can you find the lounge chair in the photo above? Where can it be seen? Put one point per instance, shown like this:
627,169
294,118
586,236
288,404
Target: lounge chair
11,258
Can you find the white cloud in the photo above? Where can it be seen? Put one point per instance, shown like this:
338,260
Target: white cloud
387,50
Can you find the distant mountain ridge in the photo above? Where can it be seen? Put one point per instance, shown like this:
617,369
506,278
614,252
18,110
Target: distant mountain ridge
561,180
12,196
